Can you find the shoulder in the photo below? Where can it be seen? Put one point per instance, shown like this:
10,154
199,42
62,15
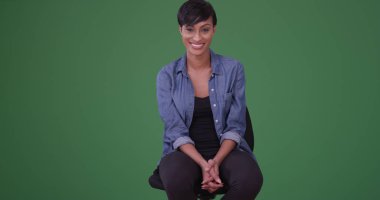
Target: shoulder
228,64
227,60
170,70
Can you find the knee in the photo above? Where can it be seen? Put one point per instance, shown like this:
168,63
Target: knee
179,178
248,185
180,186
252,182
179,173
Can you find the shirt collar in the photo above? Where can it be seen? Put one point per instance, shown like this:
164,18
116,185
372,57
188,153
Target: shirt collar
215,64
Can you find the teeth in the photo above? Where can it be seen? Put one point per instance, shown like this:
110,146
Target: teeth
197,45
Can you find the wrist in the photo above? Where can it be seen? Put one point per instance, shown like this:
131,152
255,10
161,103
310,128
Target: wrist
203,164
217,160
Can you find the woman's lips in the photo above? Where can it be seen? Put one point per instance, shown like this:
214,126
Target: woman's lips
197,46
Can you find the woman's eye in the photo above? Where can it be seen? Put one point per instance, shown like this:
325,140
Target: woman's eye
205,30
189,29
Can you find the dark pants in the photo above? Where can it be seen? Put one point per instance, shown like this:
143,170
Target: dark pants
182,177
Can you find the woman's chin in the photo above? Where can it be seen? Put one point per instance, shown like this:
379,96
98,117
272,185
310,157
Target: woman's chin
197,52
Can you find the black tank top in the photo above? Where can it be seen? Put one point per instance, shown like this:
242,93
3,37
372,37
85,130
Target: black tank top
202,129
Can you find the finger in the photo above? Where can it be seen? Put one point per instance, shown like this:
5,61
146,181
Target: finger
211,162
216,168
205,181
215,185
215,175
218,180
205,187
211,190
206,178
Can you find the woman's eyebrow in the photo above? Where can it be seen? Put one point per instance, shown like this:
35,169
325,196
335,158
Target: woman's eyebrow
206,25
192,26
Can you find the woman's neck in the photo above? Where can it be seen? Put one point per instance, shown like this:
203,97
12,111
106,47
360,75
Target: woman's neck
198,62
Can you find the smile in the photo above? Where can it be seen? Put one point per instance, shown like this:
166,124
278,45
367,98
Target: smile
197,46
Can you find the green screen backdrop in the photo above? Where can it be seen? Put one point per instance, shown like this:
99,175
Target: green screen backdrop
78,111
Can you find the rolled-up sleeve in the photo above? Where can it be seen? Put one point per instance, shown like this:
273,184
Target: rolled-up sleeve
235,119
176,132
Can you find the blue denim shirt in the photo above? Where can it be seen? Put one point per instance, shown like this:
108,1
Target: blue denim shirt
175,95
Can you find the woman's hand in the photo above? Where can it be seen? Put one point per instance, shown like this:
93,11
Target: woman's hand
214,170
191,151
206,176
225,148
211,181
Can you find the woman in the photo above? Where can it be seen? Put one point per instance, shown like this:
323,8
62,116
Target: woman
201,100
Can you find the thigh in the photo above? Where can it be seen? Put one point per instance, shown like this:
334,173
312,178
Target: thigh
240,168
179,166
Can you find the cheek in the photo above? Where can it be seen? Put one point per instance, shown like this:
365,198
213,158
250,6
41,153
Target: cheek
208,38
186,41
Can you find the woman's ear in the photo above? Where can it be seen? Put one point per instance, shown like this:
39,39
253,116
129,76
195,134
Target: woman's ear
180,29
214,28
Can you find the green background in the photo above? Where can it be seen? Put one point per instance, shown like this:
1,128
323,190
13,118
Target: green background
78,112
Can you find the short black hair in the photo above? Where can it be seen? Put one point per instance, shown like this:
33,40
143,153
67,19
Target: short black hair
194,11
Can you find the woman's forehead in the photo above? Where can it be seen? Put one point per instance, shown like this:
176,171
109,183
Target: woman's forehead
202,23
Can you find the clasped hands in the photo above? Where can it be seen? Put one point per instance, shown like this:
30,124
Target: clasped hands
210,173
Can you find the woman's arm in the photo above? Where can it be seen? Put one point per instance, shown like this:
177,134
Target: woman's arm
225,148
176,132
235,120
191,151
207,177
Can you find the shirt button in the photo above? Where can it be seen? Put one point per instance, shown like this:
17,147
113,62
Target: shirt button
212,75
216,121
212,89
214,105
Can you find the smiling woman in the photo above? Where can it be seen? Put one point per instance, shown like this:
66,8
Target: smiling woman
197,38
201,100
197,27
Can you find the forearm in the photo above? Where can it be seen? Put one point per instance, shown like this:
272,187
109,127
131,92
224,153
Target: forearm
225,148
191,151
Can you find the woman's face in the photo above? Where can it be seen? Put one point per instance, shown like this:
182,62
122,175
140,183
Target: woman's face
197,38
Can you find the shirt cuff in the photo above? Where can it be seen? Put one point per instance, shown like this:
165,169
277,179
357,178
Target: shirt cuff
181,141
230,135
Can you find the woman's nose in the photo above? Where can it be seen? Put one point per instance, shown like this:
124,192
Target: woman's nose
197,36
